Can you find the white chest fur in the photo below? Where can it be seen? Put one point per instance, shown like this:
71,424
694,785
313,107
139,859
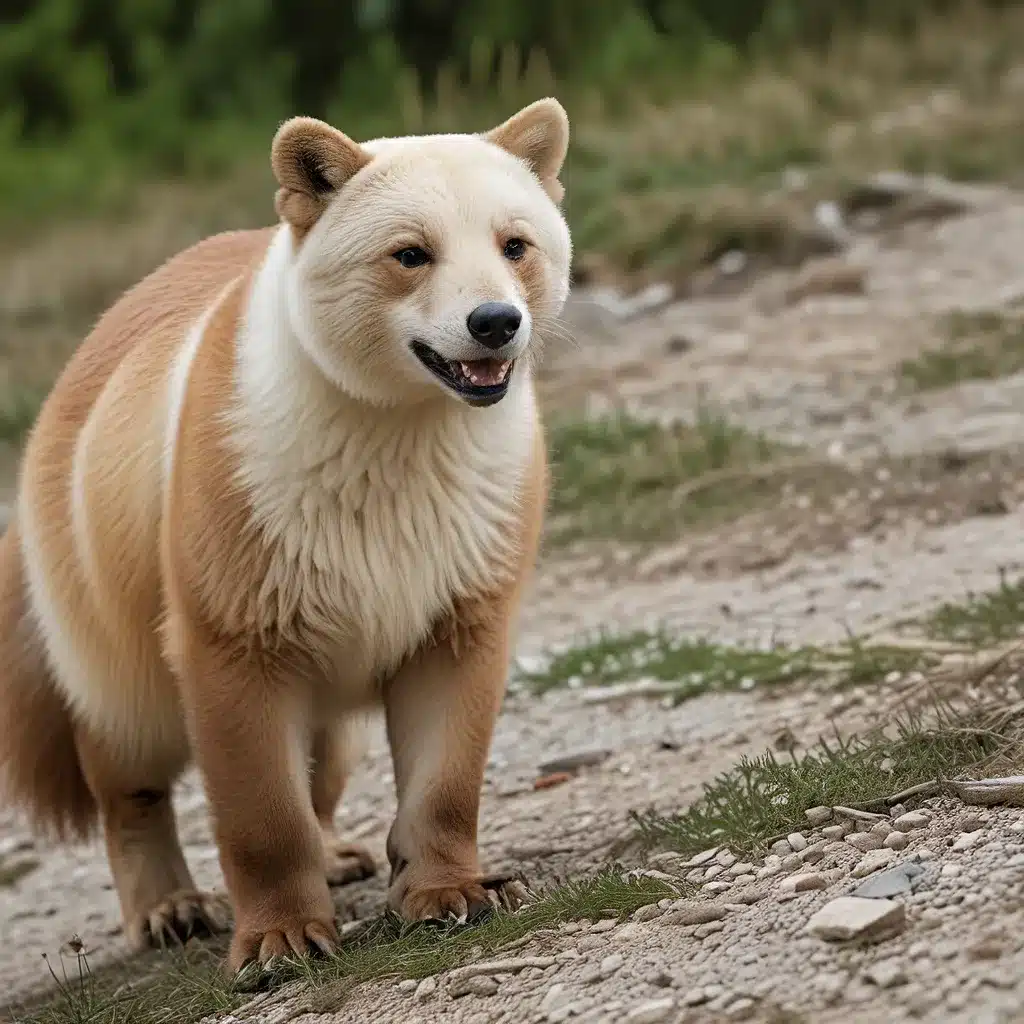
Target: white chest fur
377,520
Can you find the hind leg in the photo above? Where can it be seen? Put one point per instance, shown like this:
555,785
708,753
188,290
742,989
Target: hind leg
334,753
159,900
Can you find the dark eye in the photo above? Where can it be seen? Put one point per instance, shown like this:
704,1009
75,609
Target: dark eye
412,257
515,249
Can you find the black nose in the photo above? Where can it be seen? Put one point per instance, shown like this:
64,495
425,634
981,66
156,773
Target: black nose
494,323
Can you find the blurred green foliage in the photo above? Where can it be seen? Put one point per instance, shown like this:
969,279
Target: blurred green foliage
172,87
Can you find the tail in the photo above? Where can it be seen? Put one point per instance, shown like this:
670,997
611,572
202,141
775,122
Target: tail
39,766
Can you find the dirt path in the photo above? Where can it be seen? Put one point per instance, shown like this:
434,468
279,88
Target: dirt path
819,371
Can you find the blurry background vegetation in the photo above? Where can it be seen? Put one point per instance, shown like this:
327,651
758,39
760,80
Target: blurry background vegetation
129,128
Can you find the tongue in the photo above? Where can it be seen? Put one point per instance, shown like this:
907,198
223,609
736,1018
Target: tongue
485,372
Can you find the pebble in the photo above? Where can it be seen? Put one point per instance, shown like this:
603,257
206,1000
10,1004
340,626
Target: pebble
741,868
409,985
605,925
950,870
478,985
700,859
968,840
924,854
818,815
713,872
654,1011
804,882
555,998
702,931
781,848
864,841
872,861
797,841
814,852
610,964
852,917
695,996
726,858
886,974
716,887
892,882
425,989
834,831
769,871
911,820
740,1010
792,862
686,912
896,841
881,828
648,913
745,879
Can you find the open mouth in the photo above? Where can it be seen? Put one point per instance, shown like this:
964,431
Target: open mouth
478,381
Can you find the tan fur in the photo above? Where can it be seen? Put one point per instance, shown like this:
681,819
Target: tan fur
248,513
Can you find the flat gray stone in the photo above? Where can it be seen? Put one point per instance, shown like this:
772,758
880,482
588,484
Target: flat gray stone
892,882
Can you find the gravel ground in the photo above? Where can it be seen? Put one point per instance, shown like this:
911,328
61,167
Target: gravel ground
817,371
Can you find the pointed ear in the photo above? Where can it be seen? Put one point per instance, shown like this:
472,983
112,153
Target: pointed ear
311,161
539,136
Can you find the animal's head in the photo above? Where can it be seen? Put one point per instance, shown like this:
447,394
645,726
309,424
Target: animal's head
425,266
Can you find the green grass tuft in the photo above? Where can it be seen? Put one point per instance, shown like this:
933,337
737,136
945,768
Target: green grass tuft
624,479
764,796
985,619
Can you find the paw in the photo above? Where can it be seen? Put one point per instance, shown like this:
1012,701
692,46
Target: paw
178,918
347,862
295,937
465,901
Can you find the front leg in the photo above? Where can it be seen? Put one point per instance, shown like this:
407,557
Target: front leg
249,724
441,709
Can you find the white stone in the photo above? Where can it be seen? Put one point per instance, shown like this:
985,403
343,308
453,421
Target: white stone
797,841
864,841
872,861
803,882
478,985
818,815
654,1011
853,917
911,820
701,858
555,997
425,989
610,964
726,858
886,974
950,870
968,840
896,841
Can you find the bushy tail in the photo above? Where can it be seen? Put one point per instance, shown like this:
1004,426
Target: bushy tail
39,766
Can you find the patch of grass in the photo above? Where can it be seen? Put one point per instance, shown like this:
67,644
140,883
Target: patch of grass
700,666
192,988
392,949
11,874
180,987
979,346
620,478
763,797
695,666
17,414
984,620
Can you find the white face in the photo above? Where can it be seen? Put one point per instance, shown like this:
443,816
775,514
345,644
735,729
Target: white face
432,273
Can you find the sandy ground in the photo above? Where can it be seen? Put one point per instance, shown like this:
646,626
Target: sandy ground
805,362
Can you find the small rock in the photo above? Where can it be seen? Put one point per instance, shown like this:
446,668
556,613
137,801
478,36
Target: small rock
726,858
852,917
654,1011
713,872
814,852
605,925
924,854
818,815
555,997
610,964
864,841
896,841
968,840
741,868
702,931
408,985
686,912
950,870
882,828
769,871
892,882
971,822
700,859
648,913
745,879
873,860
804,882
741,1009
911,820
834,832
796,841
716,887
886,974
792,862
781,848
425,989
478,985
695,997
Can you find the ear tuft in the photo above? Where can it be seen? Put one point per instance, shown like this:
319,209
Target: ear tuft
311,161
539,136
